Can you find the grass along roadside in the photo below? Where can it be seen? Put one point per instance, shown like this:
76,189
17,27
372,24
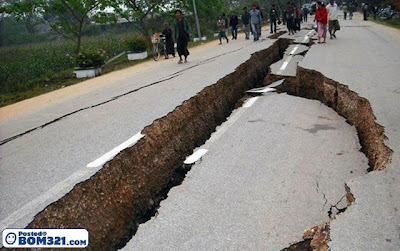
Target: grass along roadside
394,23
66,77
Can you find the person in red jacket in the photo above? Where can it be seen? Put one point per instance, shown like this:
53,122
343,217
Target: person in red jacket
321,16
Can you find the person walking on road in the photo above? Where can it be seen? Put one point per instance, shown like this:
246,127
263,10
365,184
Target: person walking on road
333,15
375,10
262,19
345,10
182,31
351,10
246,23
273,16
284,21
221,29
233,22
169,41
226,24
290,15
321,16
305,14
365,11
256,20
297,18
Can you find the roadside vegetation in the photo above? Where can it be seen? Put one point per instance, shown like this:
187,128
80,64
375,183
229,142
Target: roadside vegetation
41,40
395,23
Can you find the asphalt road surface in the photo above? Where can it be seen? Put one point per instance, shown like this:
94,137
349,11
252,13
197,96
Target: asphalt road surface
43,165
274,169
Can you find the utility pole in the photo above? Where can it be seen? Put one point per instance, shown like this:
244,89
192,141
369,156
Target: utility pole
197,19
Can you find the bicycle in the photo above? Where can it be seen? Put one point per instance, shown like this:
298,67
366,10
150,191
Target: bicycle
159,46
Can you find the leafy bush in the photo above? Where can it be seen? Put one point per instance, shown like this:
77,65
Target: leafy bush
136,44
91,58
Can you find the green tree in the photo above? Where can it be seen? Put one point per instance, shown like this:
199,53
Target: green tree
69,18
143,13
23,11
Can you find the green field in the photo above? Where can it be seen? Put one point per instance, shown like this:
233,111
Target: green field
30,70
395,23
27,71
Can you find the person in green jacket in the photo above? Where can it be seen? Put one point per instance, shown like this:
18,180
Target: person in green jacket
182,32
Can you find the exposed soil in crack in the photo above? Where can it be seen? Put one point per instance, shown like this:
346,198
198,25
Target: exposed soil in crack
128,189
356,110
277,35
315,238
172,76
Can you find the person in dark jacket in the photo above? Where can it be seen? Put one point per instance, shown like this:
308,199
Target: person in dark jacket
169,41
182,32
273,16
290,16
246,23
284,21
365,11
234,23
305,14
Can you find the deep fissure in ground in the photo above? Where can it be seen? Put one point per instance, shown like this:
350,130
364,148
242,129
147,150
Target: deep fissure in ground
358,112
127,190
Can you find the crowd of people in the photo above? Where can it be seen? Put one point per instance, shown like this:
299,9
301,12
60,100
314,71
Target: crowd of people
326,18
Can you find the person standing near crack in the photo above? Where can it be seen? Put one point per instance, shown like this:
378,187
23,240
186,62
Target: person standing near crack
333,15
290,18
256,20
321,16
182,32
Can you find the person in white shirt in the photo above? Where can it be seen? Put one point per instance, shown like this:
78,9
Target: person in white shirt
333,15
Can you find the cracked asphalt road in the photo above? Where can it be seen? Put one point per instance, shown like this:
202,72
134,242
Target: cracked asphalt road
40,167
261,184
255,188
366,57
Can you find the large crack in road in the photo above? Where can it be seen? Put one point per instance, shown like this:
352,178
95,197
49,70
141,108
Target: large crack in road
113,202
171,76
357,111
128,189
